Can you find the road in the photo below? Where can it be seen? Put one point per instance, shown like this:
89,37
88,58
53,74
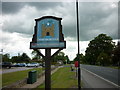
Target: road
108,74
14,69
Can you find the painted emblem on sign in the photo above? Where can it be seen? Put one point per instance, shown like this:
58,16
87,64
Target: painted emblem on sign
47,30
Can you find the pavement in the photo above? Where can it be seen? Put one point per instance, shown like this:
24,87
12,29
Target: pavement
39,80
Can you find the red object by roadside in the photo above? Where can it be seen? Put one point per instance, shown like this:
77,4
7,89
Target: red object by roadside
76,63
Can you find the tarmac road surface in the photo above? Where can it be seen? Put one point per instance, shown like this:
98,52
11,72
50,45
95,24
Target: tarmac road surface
107,75
14,69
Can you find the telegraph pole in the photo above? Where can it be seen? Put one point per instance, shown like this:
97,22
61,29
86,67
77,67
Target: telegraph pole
79,71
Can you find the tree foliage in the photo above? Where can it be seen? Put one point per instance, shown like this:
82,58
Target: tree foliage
25,57
36,56
22,58
116,55
67,58
103,59
79,57
101,43
6,57
60,57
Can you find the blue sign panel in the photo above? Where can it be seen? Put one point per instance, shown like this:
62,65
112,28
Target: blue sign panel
48,30
48,33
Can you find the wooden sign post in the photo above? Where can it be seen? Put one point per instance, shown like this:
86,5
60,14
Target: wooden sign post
48,35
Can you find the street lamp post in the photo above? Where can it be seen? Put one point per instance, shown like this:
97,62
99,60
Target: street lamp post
79,71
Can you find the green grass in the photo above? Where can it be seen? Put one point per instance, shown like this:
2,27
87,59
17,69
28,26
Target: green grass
63,78
114,67
9,78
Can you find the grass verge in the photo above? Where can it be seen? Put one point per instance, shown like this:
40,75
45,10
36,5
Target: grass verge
9,78
114,67
62,78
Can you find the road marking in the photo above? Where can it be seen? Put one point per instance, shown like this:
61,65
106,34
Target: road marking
102,78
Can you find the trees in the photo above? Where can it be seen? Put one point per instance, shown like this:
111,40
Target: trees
67,58
116,55
79,57
16,59
36,56
6,58
103,59
60,56
25,58
21,58
101,43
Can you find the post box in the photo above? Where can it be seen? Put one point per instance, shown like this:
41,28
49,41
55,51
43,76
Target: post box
76,63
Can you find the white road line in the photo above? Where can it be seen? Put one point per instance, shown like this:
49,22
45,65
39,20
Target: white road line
102,78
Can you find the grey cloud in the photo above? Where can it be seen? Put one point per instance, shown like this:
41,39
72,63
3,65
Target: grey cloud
14,7
0,7
42,9
93,17
44,5
11,7
70,31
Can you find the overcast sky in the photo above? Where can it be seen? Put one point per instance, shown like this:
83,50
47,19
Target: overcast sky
18,21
